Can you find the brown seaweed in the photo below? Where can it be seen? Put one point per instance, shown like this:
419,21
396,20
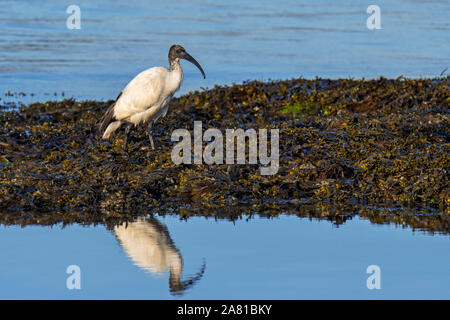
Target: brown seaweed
374,143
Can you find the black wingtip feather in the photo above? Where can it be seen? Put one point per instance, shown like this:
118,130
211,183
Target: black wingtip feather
106,120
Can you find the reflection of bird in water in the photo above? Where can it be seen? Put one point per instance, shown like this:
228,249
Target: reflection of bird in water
149,245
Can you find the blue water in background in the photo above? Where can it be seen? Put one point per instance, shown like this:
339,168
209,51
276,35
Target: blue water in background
233,40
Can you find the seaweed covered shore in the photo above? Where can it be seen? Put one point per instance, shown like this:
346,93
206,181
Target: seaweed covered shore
343,143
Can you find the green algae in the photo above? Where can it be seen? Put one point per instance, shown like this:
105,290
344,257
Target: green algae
306,108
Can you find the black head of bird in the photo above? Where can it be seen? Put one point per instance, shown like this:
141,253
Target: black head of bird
177,52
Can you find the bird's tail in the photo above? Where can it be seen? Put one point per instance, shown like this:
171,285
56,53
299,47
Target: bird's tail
106,120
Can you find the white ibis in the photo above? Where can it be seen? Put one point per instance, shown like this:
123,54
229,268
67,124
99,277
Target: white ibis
148,243
146,98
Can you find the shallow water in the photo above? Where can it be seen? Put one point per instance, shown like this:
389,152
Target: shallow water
281,258
286,257
233,41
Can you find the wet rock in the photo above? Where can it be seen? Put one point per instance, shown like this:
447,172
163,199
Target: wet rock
341,142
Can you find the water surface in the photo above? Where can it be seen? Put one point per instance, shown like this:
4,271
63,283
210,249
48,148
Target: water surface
281,258
233,40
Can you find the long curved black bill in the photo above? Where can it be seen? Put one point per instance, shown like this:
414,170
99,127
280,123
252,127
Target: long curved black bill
178,287
189,58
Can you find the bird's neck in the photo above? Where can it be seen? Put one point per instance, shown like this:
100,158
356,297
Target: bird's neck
175,76
175,65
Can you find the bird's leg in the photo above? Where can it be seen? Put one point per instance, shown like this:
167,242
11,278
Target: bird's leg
149,130
125,139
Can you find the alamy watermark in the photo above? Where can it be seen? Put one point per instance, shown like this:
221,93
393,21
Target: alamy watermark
374,20
74,20
213,153
74,280
374,280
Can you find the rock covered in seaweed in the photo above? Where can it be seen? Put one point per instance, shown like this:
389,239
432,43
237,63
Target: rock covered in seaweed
341,141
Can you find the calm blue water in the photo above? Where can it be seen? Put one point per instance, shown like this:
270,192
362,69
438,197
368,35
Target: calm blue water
233,40
283,258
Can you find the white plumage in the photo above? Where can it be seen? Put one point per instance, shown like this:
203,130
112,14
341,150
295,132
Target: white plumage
146,98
